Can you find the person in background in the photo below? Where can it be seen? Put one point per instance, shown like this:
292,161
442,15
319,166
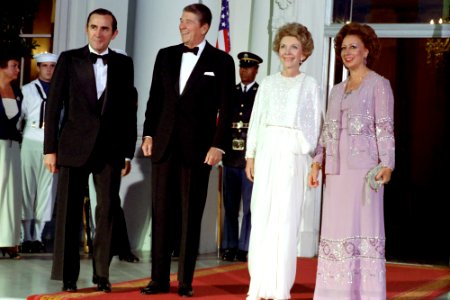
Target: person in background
358,134
10,137
38,185
186,129
282,137
94,87
236,185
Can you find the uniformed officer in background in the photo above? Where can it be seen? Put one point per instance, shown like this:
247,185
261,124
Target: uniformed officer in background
38,185
236,186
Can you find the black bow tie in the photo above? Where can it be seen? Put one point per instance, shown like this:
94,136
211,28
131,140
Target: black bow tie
94,56
193,50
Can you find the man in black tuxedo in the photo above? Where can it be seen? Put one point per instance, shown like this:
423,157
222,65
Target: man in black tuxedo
187,124
90,127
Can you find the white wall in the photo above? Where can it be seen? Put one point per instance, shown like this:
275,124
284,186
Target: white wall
70,22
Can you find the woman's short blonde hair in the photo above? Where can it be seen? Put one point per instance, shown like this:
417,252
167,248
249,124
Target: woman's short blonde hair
298,31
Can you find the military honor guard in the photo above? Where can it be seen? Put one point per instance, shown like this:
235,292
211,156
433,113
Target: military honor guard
38,185
236,186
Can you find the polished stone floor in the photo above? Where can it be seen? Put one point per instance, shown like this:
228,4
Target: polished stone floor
31,274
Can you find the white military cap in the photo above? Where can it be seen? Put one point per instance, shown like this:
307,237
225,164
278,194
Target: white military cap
45,57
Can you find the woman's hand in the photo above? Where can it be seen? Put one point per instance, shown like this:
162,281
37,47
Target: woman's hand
313,176
250,169
384,176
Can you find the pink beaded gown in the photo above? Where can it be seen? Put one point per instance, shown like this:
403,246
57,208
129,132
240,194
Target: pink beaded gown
351,262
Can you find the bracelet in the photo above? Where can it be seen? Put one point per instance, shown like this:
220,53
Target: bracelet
315,163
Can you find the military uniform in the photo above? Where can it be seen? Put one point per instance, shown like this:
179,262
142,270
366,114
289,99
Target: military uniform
236,185
38,184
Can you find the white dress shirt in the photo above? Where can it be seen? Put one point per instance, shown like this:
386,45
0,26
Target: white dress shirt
100,71
188,62
247,87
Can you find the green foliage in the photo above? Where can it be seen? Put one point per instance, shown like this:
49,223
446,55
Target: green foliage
15,17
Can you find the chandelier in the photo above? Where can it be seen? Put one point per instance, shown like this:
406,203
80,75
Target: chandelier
437,47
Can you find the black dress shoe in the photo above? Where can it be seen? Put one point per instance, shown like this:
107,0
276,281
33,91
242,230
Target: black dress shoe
185,290
69,286
37,247
129,257
155,288
229,254
241,255
26,247
103,285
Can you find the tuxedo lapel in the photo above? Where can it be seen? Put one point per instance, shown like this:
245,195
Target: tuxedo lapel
83,65
175,67
112,65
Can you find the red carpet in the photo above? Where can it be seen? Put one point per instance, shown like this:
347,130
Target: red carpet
231,282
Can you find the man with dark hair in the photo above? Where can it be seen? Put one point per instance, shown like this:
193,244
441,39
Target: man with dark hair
93,88
187,124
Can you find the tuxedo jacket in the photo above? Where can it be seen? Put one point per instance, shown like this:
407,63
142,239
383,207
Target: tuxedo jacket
74,122
199,117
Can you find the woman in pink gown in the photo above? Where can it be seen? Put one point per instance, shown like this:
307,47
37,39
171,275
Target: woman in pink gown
358,134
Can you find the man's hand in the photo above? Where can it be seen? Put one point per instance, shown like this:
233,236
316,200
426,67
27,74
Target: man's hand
126,170
50,161
147,145
213,157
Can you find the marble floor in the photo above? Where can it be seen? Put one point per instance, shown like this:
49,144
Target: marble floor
31,274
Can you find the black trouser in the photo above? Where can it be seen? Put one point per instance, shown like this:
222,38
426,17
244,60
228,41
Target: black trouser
71,186
176,186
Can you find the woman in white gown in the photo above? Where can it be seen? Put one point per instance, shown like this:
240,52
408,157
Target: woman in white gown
282,136
10,180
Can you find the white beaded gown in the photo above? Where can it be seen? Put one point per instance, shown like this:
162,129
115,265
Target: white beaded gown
283,133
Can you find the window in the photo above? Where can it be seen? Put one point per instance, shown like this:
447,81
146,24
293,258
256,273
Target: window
387,11
40,31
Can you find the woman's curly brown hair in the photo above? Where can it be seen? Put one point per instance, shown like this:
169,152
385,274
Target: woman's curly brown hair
298,31
367,36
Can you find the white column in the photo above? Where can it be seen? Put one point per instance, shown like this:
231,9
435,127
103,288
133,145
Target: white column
312,14
70,22
260,35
